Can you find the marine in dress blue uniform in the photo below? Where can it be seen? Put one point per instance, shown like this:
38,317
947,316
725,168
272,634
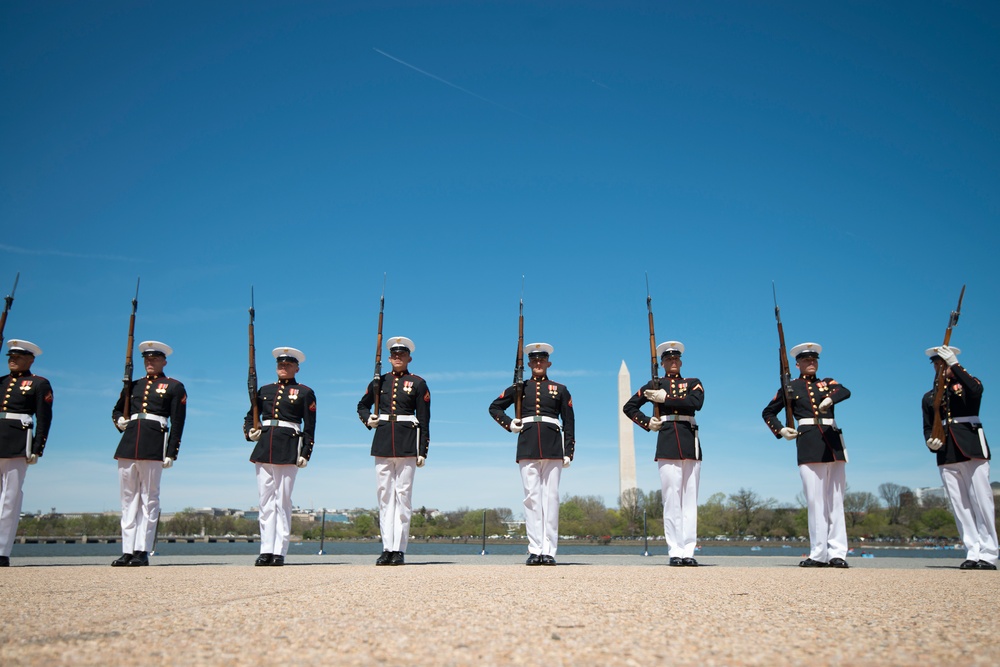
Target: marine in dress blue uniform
284,443
546,443
400,444
678,448
963,458
25,417
150,442
821,454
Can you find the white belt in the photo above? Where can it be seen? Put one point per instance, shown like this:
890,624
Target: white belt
145,415
679,418
825,422
538,418
398,418
278,422
25,419
974,419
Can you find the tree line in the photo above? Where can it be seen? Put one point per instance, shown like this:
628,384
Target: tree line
894,514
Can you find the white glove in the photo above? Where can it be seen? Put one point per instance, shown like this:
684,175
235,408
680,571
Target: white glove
655,395
566,461
789,433
655,423
254,434
302,463
947,356
168,462
516,426
825,404
121,424
32,459
421,461
934,444
372,421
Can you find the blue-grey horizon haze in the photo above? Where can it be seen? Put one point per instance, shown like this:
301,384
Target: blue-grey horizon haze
850,153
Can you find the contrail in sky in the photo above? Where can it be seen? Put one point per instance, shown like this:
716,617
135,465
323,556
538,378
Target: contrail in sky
60,253
449,83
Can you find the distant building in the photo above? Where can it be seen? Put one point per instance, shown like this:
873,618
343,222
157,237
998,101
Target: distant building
923,494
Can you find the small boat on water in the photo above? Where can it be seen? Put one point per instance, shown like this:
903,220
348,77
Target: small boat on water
755,548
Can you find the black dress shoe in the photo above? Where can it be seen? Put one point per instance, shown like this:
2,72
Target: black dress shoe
676,562
4,561
839,562
547,560
277,561
809,562
122,560
533,559
384,558
986,565
263,559
396,558
139,559
690,562
969,565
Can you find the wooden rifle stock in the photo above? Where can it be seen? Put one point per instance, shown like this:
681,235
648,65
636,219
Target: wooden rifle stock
519,358
8,302
937,430
252,369
127,379
786,374
378,352
653,362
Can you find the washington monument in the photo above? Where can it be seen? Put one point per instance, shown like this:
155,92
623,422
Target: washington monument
626,437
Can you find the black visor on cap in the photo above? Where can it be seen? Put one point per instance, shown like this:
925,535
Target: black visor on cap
807,355
11,352
153,353
287,358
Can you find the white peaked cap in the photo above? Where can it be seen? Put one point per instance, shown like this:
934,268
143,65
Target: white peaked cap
297,355
538,348
671,346
932,351
400,341
806,348
18,346
152,346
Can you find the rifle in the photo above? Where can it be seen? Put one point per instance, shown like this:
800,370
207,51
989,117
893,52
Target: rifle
519,358
377,382
937,431
252,370
127,380
786,374
9,300
654,364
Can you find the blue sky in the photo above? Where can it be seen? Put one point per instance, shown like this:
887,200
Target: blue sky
848,152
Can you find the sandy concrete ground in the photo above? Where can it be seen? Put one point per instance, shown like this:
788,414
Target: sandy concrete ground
465,610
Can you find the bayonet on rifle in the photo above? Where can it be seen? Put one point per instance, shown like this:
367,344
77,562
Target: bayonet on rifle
653,361
8,302
937,430
252,369
786,374
127,379
519,358
377,382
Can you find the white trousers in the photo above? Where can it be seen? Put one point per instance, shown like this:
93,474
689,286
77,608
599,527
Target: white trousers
139,482
968,487
274,486
823,485
12,472
394,479
540,478
679,485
